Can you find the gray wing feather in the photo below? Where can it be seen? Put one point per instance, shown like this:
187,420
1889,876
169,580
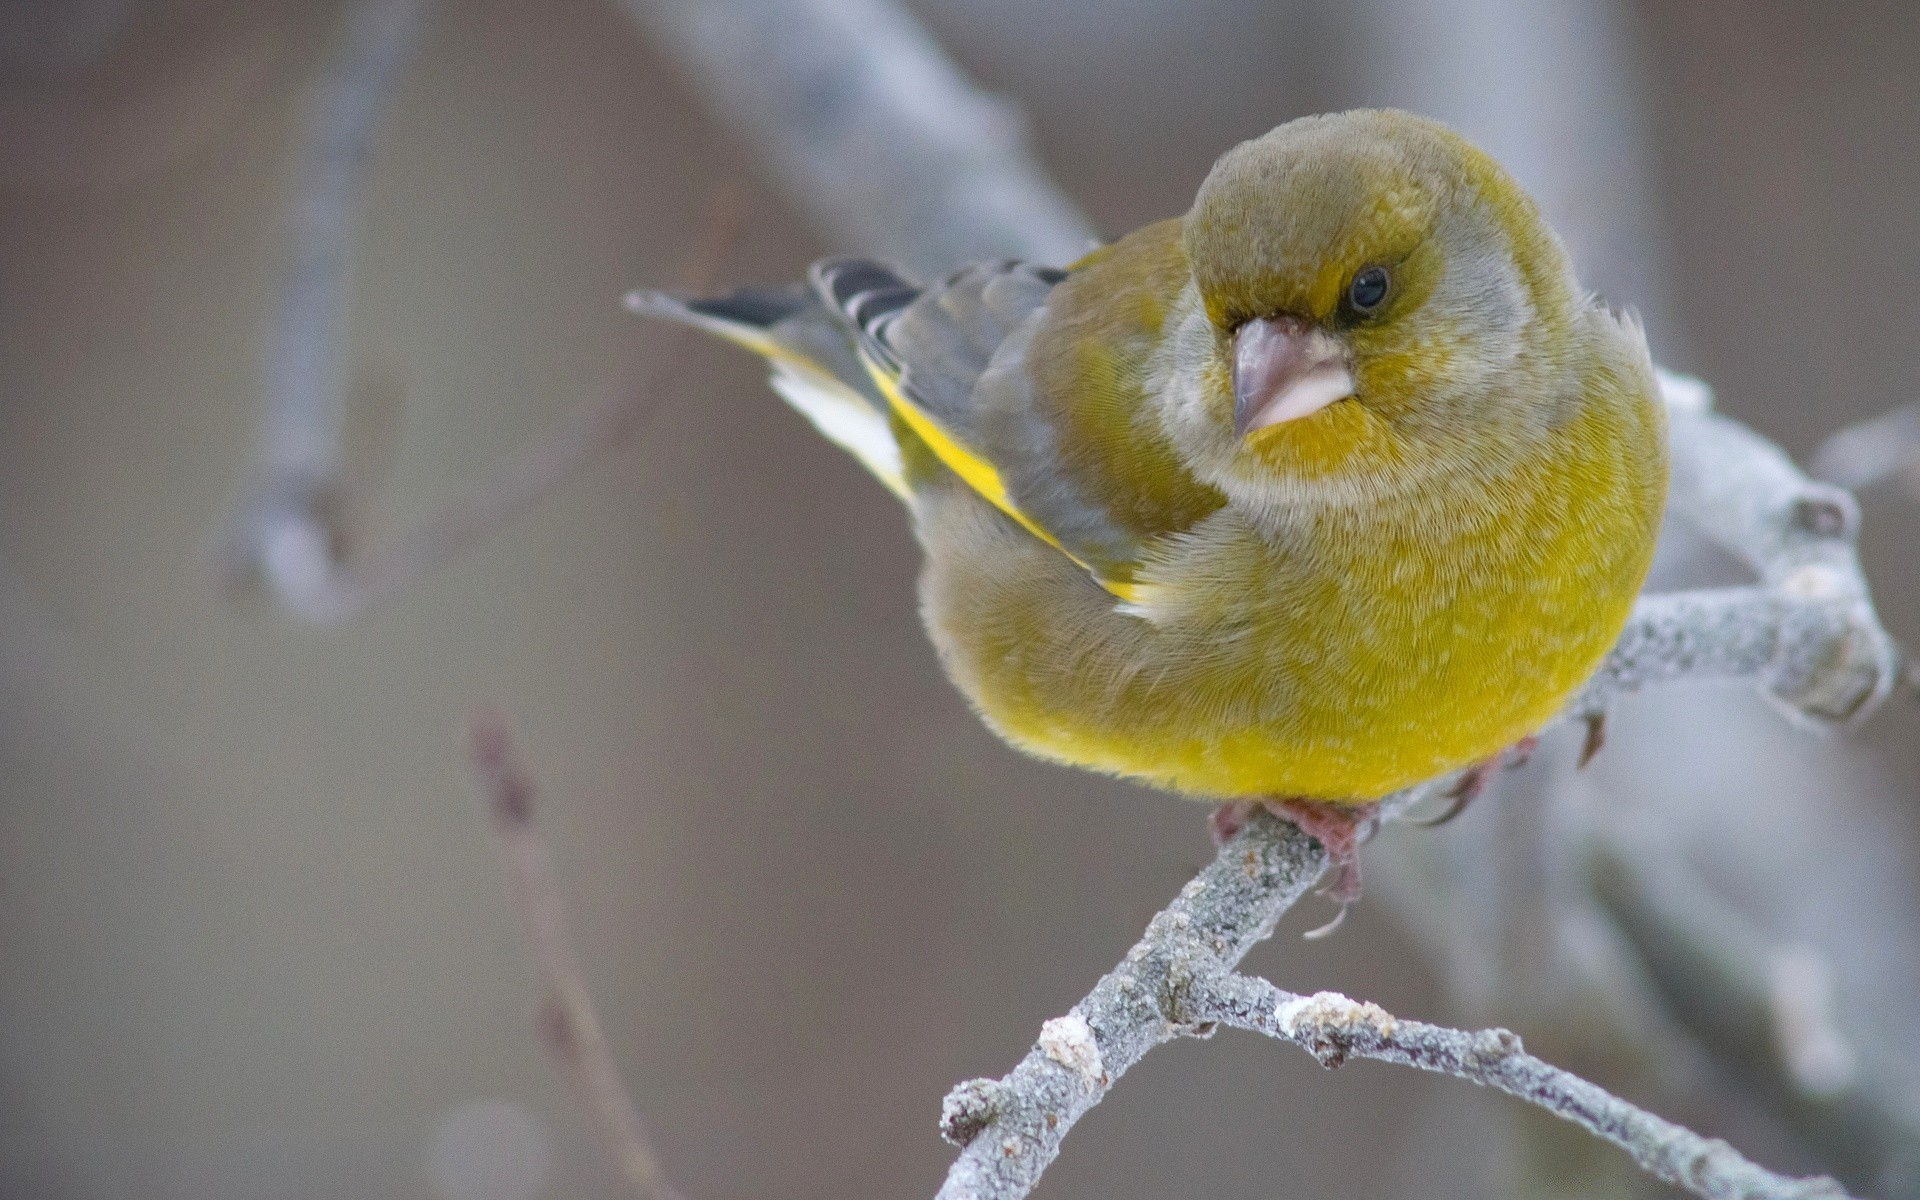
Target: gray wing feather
959,351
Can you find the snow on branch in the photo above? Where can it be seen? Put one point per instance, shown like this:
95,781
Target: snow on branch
1807,633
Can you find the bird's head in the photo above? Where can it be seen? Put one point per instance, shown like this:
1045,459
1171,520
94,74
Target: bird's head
1377,292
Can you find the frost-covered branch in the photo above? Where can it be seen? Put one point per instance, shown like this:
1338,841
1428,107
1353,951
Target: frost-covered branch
1807,633
1333,1029
1178,981
1011,1129
1834,661
570,1029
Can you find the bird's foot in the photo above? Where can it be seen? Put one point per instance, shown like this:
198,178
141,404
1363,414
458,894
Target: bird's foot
1340,828
1474,779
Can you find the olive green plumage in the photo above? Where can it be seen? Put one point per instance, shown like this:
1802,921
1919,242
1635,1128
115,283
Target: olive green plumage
1333,484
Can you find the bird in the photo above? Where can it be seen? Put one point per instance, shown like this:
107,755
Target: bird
1336,483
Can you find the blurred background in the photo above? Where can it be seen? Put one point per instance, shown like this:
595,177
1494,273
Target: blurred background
253,935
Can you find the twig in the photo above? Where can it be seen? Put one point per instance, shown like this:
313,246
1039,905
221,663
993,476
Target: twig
1333,1028
569,1028
1178,981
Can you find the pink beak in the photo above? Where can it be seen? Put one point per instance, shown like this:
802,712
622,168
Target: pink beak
1285,369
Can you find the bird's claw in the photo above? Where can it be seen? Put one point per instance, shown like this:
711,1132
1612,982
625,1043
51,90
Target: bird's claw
1340,829
1596,737
1474,779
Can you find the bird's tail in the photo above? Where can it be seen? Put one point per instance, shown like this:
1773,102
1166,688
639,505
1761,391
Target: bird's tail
816,368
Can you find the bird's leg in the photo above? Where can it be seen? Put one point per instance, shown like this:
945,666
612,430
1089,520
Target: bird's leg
1596,737
1228,819
1340,828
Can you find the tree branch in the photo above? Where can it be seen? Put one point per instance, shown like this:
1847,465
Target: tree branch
1178,981
1011,1128
285,526
570,1029
1333,1028
1807,634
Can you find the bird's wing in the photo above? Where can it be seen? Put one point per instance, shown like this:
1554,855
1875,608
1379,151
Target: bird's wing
1031,384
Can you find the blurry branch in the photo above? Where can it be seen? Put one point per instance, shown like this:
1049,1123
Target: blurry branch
1768,1009
569,1028
871,129
287,528
875,133
1864,454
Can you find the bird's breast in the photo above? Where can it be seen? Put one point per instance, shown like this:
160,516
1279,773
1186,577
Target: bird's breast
1347,655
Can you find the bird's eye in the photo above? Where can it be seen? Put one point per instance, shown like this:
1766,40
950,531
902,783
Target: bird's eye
1368,289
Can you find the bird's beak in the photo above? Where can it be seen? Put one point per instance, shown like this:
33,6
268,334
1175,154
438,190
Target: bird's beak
1285,369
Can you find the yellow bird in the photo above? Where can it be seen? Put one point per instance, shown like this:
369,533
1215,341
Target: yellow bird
1334,484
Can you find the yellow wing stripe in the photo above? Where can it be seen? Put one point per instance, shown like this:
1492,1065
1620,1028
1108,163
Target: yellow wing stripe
975,471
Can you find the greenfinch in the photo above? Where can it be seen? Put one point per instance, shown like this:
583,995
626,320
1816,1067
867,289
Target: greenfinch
1336,483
